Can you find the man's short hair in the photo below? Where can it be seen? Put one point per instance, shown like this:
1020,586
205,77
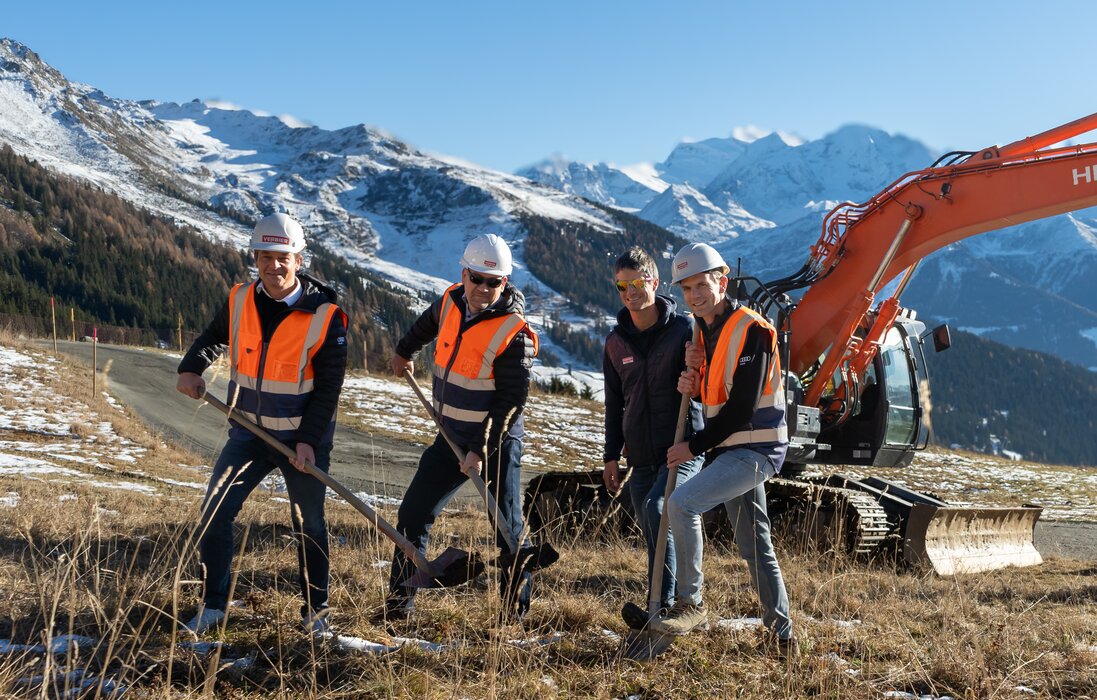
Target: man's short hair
636,258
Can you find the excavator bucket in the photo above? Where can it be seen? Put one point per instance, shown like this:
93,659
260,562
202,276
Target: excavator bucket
955,539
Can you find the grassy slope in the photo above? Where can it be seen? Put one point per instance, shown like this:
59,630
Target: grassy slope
115,565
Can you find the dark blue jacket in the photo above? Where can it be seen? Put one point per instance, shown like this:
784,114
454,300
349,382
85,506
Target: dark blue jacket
641,371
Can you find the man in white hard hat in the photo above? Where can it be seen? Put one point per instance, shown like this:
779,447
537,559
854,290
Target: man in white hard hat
482,360
286,340
744,443
643,356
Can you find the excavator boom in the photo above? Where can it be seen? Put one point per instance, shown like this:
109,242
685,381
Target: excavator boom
857,370
992,189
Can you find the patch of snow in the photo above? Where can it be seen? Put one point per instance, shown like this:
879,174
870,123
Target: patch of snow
373,499
984,330
421,643
358,644
58,645
1089,334
751,133
739,623
537,641
646,175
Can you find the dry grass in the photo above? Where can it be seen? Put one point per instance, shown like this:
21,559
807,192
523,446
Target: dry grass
119,568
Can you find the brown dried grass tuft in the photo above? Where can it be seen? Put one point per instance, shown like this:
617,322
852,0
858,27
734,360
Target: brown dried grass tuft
120,567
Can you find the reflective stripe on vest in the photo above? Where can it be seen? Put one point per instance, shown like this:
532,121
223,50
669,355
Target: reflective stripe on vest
768,420
272,386
464,378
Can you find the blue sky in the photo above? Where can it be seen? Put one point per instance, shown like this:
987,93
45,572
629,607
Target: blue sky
505,84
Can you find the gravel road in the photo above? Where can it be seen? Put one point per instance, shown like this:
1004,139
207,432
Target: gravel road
145,381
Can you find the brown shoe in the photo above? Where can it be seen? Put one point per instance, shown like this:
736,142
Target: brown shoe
781,647
681,619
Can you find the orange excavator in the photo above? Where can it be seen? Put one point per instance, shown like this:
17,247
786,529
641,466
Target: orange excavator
856,370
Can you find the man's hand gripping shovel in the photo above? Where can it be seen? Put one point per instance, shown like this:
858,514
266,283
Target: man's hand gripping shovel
645,644
521,559
452,568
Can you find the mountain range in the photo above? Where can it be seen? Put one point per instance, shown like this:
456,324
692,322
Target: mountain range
405,214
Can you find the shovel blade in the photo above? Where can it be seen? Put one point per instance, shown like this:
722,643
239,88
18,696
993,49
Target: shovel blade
529,559
645,645
452,567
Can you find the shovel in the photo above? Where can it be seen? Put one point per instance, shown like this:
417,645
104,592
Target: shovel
645,644
452,567
520,558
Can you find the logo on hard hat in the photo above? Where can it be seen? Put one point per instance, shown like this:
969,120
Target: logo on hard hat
682,265
490,263
275,239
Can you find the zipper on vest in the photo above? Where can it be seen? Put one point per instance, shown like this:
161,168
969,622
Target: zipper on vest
259,384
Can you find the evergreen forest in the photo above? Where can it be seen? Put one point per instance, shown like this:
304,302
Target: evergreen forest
116,264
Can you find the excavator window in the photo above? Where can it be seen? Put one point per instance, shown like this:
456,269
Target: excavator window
900,387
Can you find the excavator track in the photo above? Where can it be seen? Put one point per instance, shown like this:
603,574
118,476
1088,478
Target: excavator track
828,516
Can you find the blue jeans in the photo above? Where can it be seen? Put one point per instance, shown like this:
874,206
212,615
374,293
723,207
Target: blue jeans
435,482
243,464
646,487
735,478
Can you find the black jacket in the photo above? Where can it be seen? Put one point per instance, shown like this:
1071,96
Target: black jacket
511,368
641,371
329,364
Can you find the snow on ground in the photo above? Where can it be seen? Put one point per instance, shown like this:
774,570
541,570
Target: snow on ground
45,437
565,433
1065,493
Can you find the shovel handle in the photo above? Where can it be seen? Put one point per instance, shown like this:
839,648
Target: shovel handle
358,504
477,481
655,592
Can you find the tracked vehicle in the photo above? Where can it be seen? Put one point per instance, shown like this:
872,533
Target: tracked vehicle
856,376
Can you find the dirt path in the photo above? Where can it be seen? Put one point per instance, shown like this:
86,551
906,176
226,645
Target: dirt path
145,381
1072,540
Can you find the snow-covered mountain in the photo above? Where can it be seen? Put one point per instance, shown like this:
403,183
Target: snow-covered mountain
406,214
1033,285
380,202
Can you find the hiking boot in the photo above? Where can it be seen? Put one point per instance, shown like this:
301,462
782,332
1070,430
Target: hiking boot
206,618
683,618
316,623
636,617
782,648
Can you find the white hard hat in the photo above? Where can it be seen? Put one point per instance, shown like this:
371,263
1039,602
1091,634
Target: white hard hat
279,233
694,258
487,253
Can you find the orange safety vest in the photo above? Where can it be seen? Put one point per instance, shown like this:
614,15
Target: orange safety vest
767,425
272,383
464,376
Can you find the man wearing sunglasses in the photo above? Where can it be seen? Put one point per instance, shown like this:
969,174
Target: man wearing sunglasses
483,353
644,355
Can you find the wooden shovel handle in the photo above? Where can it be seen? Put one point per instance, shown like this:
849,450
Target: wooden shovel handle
489,501
664,520
358,504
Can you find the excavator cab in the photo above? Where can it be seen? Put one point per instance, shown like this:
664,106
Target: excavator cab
888,424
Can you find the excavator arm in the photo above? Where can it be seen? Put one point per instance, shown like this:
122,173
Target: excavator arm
834,335
865,246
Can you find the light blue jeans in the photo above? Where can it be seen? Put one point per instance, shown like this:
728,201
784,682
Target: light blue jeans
646,486
736,478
